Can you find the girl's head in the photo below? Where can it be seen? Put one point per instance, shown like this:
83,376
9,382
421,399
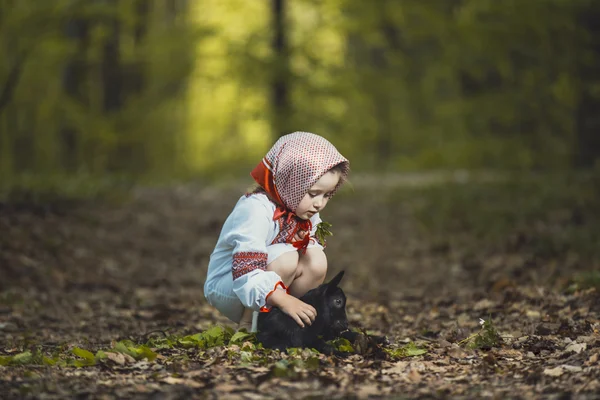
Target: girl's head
319,194
301,172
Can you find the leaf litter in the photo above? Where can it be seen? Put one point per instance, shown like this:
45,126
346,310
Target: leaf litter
105,301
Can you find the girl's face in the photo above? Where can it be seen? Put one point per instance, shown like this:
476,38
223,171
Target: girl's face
318,195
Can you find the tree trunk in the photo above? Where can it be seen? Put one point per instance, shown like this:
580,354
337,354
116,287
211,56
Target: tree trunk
74,76
588,118
279,88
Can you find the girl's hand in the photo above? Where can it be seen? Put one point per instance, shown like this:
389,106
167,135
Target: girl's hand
301,312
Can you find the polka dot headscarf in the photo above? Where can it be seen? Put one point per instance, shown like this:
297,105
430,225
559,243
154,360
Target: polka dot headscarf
294,164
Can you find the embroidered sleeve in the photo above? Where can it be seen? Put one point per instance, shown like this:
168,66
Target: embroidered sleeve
246,261
251,223
248,229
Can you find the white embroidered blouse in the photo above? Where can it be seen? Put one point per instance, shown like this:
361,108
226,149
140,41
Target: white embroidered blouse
250,240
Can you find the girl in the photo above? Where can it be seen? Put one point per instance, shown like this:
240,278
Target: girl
267,254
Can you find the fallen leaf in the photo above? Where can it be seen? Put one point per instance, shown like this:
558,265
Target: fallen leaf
398,368
118,358
414,376
576,347
483,304
572,368
179,381
554,372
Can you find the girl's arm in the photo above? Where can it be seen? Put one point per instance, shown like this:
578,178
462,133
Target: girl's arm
246,231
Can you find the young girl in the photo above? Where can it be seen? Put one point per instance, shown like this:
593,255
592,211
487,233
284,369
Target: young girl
267,254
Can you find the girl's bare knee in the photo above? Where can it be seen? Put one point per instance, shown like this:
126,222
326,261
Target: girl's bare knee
286,266
314,263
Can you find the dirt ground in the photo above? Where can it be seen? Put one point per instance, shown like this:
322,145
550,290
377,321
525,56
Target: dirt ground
421,267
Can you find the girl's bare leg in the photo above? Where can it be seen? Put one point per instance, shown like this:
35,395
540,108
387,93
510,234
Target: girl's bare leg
286,266
311,271
246,321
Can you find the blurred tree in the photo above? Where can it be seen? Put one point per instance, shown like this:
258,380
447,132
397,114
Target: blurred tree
93,86
588,117
101,85
281,75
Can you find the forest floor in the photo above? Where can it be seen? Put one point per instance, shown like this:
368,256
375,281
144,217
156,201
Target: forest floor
103,299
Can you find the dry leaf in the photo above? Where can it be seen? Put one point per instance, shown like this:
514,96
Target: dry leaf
117,358
414,376
397,368
576,347
179,381
554,372
572,368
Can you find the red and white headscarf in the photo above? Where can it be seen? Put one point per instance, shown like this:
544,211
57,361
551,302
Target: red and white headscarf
294,164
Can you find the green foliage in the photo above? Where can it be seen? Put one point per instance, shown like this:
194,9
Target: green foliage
87,358
485,339
408,350
84,358
21,358
215,336
59,188
91,88
138,352
585,280
418,84
287,368
323,231
547,213
30,358
241,336
342,344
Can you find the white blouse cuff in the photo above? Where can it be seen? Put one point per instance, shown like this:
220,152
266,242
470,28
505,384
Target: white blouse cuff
257,286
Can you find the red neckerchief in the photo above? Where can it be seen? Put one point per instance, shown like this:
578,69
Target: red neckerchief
301,225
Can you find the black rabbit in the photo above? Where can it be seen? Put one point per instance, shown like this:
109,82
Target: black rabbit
277,330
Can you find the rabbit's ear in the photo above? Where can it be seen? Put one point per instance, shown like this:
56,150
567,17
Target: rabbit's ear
335,281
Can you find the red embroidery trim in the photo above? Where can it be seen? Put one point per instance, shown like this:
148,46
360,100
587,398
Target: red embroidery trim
248,261
289,226
266,308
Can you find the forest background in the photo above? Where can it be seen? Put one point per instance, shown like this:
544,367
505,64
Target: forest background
469,230
114,90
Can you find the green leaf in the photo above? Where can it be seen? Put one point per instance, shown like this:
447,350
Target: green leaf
121,347
312,363
284,369
49,361
88,358
342,344
145,352
246,356
239,337
408,350
323,230
5,360
413,350
87,355
22,358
